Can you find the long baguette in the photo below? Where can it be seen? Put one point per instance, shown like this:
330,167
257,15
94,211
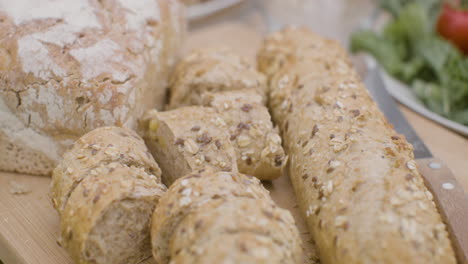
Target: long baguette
355,178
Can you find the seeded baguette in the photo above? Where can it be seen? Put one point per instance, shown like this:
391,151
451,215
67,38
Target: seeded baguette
99,147
188,139
240,215
212,70
202,206
256,141
354,177
189,193
106,219
245,248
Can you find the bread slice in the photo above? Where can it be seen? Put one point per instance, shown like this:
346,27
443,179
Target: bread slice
107,217
78,66
188,139
95,149
194,191
256,141
212,70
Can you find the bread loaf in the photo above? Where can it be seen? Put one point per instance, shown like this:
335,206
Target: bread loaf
97,148
188,139
355,178
202,209
212,70
256,141
69,67
107,217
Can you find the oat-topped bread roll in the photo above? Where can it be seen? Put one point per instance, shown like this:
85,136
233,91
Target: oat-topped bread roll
212,70
70,66
355,178
99,147
200,211
107,217
188,139
256,141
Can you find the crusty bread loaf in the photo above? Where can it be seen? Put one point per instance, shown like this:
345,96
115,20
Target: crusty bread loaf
212,206
188,139
355,178
99,147
107,217
256,141
212,70
69,67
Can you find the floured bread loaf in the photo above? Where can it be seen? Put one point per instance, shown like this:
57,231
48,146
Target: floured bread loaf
355,178
256,141
105,189
203,217
188,139
99,147
212,70
68,67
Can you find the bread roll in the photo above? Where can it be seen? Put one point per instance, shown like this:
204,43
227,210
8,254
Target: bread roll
77,66
188,139
256,141
106,219
212,70
355,178
199,209
97,148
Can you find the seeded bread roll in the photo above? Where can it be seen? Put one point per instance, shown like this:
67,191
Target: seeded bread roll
77,66
200,207
256,141
188,139
97,148
212,70
106,219
355,178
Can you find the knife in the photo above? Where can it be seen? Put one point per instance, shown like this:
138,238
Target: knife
449,195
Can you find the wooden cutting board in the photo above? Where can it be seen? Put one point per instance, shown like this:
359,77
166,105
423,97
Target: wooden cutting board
29,225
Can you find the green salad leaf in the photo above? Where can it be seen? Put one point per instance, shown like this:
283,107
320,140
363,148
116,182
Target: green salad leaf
410,50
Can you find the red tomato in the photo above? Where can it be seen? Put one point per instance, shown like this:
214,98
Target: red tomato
453,25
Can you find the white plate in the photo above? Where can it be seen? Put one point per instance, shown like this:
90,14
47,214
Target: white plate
404,95
197,11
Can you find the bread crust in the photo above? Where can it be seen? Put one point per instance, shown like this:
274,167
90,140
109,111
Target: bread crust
355,178
257,143
97,148
188,139
212,70
67,70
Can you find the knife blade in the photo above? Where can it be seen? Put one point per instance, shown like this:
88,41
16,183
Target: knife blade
449,195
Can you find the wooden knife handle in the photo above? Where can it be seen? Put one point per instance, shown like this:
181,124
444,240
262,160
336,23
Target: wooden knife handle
451,201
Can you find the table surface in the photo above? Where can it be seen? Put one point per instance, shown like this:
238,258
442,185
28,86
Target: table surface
29,225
